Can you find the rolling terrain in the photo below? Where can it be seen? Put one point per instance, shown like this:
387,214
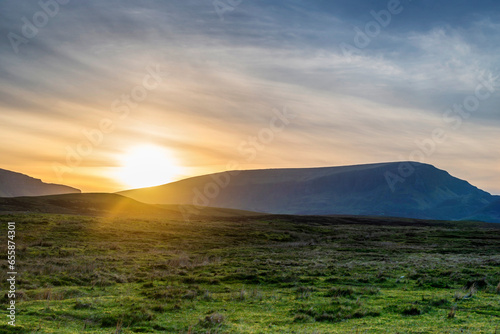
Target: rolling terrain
106,263
369,190
103,204
270,274
14,184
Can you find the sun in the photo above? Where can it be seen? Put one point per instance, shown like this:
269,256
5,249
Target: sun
147,166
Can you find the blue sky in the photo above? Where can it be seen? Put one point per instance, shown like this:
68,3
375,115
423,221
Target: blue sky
225,74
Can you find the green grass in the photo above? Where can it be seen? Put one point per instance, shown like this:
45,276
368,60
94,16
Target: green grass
270,274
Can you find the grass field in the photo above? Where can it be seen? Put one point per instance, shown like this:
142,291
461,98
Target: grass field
268,274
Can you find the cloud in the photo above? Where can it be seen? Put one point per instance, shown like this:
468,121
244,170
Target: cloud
224,78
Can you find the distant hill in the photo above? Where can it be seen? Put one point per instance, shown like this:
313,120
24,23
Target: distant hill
210,211
104,204
489,213
425,193
14,184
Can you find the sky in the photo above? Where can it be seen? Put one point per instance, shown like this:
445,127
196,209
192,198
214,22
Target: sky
228,84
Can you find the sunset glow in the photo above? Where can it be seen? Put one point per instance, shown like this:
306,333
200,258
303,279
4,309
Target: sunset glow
97,78
146,166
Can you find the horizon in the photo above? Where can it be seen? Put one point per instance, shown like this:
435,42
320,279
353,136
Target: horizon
264,169
105,97
316,167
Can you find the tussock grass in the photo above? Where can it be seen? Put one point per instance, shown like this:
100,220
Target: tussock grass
254,275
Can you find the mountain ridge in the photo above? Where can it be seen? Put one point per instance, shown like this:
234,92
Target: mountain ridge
382,189
99,204
14,184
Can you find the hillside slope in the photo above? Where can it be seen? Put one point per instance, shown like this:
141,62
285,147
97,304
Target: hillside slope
105,204
428,193
14,184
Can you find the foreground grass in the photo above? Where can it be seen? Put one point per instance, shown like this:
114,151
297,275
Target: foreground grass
263,275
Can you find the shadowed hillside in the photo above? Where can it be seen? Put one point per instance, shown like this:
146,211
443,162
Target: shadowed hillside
489,213
426,193
14,184
103,204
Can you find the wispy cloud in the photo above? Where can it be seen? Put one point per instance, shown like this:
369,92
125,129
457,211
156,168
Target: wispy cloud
223,79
